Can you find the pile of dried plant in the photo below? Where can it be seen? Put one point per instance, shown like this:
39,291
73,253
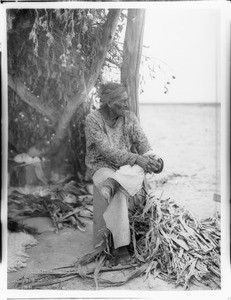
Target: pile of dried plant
167,242
178,247
63,202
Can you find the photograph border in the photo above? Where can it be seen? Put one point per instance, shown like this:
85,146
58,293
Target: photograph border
223,8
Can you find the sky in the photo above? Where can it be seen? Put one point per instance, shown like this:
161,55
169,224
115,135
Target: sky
184,43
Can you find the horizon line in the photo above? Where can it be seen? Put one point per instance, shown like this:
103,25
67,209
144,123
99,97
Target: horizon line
182,103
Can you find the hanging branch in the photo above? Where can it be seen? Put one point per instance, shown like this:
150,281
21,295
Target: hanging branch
27,96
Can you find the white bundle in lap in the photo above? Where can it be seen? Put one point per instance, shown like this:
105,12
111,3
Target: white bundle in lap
18,242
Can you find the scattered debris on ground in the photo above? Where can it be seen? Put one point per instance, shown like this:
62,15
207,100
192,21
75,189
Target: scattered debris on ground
64,202
167,242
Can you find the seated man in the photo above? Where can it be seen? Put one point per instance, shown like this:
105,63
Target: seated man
118,155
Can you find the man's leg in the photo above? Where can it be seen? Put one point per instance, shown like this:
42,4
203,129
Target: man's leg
116,186
99,205
117,221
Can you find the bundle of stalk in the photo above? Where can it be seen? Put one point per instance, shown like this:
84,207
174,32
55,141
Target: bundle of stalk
167,242
178,247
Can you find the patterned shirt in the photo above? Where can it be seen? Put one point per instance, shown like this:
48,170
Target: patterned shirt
114,146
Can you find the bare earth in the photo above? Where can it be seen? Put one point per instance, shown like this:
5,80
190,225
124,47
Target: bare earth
61,249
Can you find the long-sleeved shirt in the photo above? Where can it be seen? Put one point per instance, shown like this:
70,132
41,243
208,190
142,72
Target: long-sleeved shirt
115,146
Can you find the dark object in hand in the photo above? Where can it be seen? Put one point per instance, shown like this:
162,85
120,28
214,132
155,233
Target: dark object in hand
160,160
157,164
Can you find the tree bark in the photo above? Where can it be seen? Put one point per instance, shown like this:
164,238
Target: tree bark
132,56
89,82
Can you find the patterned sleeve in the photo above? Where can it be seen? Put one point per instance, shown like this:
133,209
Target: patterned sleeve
139,138
96,135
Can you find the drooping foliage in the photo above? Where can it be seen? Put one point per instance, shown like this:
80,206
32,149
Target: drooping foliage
50,53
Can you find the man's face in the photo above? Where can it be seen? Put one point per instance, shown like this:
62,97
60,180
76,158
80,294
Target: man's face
118,106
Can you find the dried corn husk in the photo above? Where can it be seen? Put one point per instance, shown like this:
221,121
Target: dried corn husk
187,250
52,202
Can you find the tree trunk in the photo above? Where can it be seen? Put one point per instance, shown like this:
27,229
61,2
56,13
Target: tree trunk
132,56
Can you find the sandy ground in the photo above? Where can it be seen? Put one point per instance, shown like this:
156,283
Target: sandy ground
187,137
188,141
63,248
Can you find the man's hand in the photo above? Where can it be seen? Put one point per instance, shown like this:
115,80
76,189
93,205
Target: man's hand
157,163
145,163
150,164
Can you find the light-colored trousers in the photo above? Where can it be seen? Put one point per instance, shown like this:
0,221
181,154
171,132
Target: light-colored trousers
115,215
